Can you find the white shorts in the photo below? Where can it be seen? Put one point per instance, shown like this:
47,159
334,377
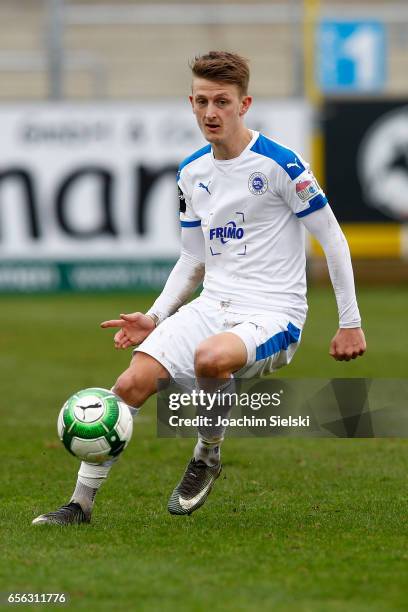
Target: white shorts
270,339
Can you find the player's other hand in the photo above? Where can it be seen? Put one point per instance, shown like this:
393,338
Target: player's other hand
348,343
134,328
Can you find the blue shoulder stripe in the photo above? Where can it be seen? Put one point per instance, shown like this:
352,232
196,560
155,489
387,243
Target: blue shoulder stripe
194,156
286,158
314,204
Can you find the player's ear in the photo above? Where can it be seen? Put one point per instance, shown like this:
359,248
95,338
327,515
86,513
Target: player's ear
245,104
191,102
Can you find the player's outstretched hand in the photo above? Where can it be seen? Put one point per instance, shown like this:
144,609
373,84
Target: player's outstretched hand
134,328
348,343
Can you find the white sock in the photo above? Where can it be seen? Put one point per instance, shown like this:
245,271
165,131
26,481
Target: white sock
91,476
209,441
208,451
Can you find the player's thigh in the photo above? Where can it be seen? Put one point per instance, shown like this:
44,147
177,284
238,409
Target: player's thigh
174,342
139,381
271,342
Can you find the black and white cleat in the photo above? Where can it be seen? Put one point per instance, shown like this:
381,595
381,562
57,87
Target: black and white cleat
194,488
71,514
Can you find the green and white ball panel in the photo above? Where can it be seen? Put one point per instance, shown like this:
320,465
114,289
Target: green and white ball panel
95,424
124,425
94,451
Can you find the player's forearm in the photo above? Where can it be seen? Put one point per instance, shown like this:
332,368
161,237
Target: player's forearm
325,228
184,279
342,278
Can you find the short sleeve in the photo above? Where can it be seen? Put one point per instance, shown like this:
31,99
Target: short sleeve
187,216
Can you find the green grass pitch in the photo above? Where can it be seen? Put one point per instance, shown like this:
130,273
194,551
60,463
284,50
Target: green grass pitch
292,525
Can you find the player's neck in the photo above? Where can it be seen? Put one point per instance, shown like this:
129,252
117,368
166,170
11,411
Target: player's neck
230,150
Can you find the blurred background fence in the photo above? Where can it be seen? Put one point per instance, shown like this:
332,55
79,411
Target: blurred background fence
94,122
94,49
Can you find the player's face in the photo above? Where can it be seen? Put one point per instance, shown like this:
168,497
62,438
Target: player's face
219,109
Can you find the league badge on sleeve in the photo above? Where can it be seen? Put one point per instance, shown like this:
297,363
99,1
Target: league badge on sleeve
257,183
308,188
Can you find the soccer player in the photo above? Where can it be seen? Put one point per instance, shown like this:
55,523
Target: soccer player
245,201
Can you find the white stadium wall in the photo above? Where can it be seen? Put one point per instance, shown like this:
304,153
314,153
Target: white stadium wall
87,191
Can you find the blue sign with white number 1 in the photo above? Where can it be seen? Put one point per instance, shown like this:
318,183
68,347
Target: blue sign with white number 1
350,56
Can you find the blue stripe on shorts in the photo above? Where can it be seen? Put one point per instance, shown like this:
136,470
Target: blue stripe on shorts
278,342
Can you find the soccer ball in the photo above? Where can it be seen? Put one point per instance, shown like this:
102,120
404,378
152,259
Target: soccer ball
94,425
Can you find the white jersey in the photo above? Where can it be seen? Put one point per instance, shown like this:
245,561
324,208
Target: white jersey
248,209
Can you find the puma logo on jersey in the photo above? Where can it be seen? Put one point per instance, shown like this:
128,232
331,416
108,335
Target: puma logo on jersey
205,187
293,165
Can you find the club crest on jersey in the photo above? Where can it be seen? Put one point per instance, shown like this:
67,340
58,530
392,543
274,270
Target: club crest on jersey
307,189
257,183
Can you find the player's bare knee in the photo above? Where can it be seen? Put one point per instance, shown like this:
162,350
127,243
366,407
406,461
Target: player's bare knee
130,388
208,361
139,381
